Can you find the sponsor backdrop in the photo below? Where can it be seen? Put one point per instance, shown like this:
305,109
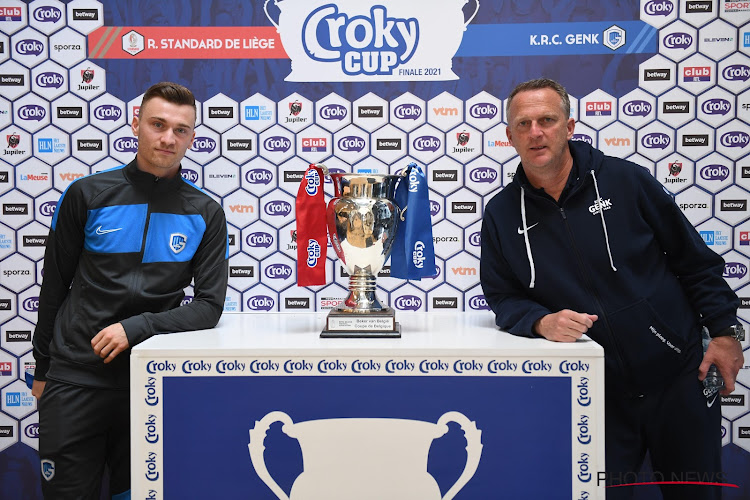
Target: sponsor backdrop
360,86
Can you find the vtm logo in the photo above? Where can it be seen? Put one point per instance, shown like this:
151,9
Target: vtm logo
464,271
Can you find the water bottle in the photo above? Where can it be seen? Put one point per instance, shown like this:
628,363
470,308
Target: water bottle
713,382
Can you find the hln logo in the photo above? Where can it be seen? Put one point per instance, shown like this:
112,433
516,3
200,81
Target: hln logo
708,237
44,145
252,112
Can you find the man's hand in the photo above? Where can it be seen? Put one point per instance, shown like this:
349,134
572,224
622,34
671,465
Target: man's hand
565,325
110,342
726,354
37,388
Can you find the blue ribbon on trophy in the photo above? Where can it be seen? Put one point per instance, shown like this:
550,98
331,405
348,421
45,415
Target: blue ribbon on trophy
413,255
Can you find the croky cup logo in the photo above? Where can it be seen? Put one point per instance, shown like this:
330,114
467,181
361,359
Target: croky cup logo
357,40
87,75
13,140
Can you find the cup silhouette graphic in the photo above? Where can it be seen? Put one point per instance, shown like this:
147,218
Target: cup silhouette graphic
365,458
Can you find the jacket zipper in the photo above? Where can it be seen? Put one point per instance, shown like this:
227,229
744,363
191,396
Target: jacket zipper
595,295
588,282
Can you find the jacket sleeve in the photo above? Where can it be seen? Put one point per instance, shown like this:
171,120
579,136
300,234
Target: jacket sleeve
699,269
63,250
210,276
506,296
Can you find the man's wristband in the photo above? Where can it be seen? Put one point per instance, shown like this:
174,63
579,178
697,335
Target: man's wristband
737,332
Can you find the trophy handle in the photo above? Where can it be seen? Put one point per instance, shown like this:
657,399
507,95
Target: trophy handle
473,15
473,449
257,437
265,9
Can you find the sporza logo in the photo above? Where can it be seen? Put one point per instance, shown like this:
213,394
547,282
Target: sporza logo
177,242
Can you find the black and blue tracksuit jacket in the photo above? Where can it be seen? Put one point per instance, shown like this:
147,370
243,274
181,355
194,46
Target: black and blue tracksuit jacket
616,245
122,247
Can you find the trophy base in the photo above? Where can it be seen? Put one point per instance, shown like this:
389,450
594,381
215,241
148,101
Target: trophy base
376,324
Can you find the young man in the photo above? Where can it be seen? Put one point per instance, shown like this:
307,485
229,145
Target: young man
122,247
581,242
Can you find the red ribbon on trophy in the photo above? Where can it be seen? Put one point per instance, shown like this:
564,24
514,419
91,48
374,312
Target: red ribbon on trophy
312,236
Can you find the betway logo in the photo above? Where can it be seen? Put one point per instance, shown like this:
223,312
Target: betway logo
444,175
464,207
733,205
650,75
445,303
695,140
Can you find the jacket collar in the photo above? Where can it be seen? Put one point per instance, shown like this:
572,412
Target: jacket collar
147,180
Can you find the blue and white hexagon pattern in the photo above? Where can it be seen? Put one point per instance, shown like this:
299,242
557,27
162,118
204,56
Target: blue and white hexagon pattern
686,119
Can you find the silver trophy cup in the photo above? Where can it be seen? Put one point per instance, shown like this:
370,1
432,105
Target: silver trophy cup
362,222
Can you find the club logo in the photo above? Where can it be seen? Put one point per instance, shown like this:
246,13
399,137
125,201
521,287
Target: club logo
177,242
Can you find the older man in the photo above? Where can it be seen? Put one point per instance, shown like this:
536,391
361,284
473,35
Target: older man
581,242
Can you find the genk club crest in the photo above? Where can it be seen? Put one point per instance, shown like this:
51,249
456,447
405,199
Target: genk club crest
48,469
177,242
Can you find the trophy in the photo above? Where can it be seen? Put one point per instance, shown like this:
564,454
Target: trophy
362,222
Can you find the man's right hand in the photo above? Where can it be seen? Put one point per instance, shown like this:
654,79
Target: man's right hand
37,388
564,326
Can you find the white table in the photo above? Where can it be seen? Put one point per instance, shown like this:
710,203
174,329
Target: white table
361,410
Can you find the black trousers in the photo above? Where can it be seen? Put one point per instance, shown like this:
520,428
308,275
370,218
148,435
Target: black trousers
680,429
82,430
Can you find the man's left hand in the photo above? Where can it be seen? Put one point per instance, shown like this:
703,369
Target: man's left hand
110,342
726,354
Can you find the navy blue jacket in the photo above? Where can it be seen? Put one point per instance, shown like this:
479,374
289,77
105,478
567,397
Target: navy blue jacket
666,285
122,247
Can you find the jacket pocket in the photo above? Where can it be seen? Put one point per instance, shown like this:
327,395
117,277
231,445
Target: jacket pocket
652,352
